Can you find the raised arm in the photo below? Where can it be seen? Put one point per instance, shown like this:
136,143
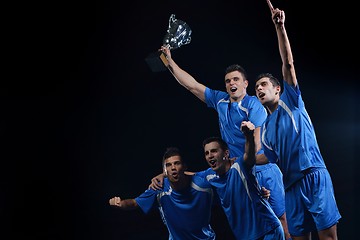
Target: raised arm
126,204
184,78
288,68
260,158
247,128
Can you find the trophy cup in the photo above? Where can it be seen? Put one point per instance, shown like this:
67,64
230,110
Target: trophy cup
178,34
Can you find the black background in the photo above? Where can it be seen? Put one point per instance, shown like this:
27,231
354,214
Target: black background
84,118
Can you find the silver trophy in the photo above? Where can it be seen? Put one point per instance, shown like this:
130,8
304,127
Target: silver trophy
177,34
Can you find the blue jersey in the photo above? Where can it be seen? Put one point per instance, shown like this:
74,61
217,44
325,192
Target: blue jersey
232,114
186,213
288,137
230,117
249,214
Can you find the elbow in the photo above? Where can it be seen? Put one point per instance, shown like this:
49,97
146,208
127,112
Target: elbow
288,65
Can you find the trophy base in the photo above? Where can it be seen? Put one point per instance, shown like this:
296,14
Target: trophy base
157,61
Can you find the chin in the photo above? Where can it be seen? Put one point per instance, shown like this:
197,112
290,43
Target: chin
216,168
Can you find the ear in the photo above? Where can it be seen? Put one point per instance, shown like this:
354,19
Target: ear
246,83
227,153
278,89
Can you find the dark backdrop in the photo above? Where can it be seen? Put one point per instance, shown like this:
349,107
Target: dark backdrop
85,119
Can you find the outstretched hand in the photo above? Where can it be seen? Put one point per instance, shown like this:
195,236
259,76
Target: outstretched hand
270,5
277,15
247,127
115,201
166,51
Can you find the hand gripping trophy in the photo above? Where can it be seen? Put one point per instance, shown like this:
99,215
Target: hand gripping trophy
178,34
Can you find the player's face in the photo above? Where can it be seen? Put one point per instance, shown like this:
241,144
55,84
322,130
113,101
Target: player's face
235,85
174,168
215,157
266,92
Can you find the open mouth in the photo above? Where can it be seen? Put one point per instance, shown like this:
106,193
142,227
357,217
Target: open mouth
260,95
212,163
233,89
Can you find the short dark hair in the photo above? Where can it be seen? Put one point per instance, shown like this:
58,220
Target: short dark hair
220,141
170,152
272,79
236,67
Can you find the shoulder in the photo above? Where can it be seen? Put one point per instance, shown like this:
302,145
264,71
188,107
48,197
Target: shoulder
216,93
200,174
239,161
200,181
290,88
252,100
204,175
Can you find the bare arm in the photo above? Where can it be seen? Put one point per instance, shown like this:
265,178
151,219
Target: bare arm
184,78
126,204
260,158
288,68
158,180
247,128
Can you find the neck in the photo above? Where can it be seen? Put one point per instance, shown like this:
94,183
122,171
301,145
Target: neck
182,183
273,106
237,99
225,168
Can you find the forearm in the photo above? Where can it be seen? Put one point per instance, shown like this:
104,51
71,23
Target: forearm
284,44
186,80
288,69
127,204
249,155
189,173
260,156
261,159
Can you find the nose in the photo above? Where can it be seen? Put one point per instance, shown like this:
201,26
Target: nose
232,81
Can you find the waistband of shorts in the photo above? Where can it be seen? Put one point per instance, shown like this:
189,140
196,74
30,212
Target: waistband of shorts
311,170
261,167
